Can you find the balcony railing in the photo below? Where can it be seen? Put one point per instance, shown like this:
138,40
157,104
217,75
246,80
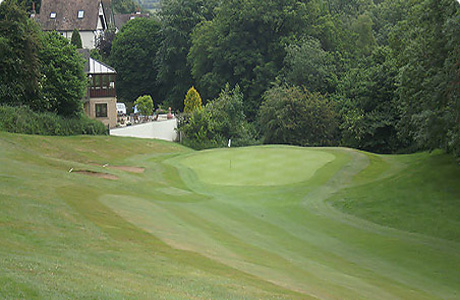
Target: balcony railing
100,93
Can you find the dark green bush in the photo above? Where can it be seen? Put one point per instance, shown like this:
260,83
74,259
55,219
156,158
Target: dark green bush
24,120
220,120
292,115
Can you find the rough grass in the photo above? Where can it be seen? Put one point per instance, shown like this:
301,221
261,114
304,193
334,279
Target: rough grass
176,232
24,120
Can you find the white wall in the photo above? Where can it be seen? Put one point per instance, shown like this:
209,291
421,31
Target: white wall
88,39
163,130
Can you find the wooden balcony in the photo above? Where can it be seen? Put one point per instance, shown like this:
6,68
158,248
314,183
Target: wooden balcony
102,85
101,93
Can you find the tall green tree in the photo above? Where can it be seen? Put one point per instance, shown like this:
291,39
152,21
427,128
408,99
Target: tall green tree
307,64
369,111
228,118
349,7
63,82
365,40
426,44
19,45
244,44
133,55
386,15
178,19
125,6
76,39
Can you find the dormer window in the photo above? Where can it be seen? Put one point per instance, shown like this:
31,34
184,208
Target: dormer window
81,14
53,15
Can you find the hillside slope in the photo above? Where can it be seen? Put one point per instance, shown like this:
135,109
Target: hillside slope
148,219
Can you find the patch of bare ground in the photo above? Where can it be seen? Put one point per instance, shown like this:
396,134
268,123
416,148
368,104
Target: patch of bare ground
128,169
122,168
97,174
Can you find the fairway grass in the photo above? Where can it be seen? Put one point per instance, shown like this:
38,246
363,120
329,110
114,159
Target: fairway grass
266,222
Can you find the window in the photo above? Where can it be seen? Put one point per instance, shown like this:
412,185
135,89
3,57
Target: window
53,15
112,81
81,14
101,110
105,81
97,83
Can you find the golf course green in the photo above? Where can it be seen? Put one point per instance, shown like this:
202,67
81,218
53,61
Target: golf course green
123,218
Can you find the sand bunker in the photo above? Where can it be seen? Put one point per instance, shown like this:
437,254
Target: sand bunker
128,169
122,168
96,174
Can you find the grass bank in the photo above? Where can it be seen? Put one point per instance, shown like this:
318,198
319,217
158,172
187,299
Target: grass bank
24,120
250,223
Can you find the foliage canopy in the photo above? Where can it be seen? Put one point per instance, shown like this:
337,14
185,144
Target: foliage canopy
295,116
133,55
20,66
390,67
144,105
219,121
63,78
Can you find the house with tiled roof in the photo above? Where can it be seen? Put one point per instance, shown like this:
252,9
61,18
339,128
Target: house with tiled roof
90,17
122,19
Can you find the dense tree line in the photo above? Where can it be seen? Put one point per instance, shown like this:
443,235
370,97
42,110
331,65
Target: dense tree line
383,74
379,75
40,70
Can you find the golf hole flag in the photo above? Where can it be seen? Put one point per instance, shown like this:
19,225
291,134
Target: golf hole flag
229,142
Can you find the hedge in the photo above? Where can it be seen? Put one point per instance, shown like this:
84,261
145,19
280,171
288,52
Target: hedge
23,120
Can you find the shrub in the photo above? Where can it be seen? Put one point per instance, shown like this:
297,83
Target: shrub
23,120
63,83
228,118
76,39
144,105
192,100
196,130
220,120
293,115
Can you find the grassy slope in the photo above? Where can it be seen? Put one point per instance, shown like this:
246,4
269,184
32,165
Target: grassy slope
426,195
57,241
166,235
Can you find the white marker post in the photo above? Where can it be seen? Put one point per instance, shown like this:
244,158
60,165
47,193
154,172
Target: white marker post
229,144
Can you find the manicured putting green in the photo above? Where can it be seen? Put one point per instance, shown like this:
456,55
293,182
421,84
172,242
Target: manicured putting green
257,166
